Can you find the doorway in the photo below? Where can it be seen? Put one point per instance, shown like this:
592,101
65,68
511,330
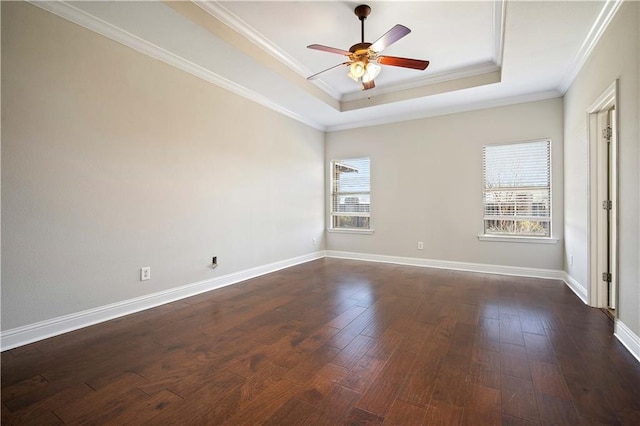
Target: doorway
603,201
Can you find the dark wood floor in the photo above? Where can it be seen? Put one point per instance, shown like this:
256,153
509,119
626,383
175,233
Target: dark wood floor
338,342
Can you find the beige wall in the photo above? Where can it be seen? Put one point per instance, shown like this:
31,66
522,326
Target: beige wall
112,161
427,184
615,57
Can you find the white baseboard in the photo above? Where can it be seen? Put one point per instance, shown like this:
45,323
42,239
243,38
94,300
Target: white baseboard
447,264
44,329
576,287
628,338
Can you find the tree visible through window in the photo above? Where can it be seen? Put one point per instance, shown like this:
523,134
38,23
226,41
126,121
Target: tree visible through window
517,189
351,194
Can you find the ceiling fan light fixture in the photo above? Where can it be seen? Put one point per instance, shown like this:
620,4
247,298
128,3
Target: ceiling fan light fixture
357,69
371,71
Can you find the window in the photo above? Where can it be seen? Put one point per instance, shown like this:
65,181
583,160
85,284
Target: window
351,194
517,189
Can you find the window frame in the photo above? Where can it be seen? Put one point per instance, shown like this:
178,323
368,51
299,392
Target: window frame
515,237
331,193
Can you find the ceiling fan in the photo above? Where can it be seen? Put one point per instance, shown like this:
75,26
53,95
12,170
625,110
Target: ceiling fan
364,57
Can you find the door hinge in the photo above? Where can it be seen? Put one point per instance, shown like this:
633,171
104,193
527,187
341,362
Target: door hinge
606,276
607,204
606,132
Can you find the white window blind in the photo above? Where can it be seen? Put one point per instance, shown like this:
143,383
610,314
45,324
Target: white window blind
517,189
351,193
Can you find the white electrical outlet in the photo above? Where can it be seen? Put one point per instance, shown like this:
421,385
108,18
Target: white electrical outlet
314,241
145,273
571,260
420,245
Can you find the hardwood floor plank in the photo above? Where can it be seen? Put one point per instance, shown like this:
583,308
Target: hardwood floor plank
146,409
452,384
548,379
306,368
302,349
514,421
485,368
404,414
226,391
360,377
316,390
514,361
510,329
358,416
341,321
421,379
265,406
336,406
36,417
556,411
349,356
519,399
539,348
293,412
384,345
103,405
590,401
483,406
386,386
443,414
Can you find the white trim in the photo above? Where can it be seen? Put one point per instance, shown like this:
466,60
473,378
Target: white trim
429,79
454,109
350,231
499,16
447,264
628,338
576,287
608,11
97,25
227,17
597,288
44,329
508,239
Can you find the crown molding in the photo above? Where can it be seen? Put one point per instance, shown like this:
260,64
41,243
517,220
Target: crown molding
474,106
442,77
225,16
80,17
598,28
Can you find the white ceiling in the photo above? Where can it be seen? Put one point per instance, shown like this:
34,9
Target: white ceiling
482,53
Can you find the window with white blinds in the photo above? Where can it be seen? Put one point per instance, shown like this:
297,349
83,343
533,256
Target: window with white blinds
351,194
517,189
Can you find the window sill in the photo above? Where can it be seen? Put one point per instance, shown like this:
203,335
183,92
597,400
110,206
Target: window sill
351,231
508,239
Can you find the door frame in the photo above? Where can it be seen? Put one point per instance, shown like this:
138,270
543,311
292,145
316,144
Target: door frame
597,288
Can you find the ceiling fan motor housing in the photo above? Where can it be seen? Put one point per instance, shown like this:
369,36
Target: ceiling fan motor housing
359,46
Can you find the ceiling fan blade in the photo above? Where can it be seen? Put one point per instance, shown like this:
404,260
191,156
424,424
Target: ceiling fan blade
395,61
312,77
390,37
328,49
368,85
